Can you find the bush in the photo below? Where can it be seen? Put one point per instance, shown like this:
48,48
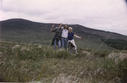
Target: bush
101,53
123,71
117,43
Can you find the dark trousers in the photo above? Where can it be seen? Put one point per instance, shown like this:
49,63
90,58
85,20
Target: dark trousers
56,42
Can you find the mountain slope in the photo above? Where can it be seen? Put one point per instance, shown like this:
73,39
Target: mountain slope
37,63
22,30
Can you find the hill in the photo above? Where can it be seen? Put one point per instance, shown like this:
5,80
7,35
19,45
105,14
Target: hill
38,63
25,56
43,64
21,30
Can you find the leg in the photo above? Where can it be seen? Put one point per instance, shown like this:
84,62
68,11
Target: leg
75,47
53,40
59,43
62,41
65,43
55,43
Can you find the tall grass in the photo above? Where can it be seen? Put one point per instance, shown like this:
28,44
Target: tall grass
28,62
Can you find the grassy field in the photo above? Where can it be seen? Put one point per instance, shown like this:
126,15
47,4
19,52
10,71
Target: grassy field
38,63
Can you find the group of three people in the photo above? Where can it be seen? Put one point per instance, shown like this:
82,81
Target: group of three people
63,36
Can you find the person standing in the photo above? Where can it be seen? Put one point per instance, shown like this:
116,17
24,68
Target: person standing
64,38
57,37
71,36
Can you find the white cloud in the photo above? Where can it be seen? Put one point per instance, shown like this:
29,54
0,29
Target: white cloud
100,14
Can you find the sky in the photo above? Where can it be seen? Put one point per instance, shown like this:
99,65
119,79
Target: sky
109,15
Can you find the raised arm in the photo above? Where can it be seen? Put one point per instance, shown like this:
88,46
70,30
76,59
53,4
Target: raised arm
77,36
52,28
60,25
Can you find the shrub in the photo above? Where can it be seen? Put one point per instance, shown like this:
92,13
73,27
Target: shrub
123,71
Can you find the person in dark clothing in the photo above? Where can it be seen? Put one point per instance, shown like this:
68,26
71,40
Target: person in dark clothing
57,37
71,36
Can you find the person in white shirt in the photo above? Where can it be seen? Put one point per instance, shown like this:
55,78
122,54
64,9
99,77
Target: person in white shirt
64,36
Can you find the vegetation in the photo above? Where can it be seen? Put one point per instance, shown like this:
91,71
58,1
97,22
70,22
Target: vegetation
25,31
34,62
117,43
26,55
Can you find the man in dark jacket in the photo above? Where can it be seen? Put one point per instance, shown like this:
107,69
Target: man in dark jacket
57,37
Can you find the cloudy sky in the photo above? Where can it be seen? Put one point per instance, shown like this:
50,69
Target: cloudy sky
109,15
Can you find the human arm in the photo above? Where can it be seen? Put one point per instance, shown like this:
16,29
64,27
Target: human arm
52,29
60,25
75,35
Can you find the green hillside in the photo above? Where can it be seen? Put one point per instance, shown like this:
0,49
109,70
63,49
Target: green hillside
20,30
37,63
26,55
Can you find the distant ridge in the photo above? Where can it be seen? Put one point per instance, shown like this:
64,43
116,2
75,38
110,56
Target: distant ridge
22,29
